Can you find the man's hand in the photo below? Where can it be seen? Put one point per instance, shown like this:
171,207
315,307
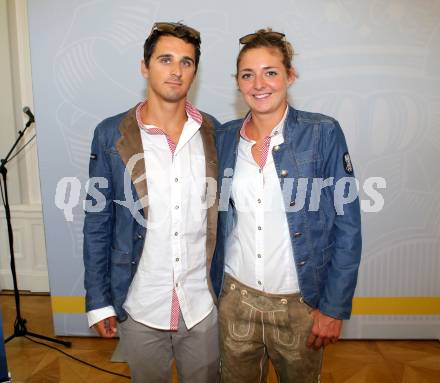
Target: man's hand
325,330
107,327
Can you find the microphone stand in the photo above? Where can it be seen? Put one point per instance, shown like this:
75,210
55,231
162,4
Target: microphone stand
20,323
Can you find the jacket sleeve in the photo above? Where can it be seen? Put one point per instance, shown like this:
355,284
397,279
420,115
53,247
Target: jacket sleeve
98,226
342,267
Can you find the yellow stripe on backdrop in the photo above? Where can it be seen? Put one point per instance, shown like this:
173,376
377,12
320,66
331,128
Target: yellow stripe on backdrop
361,305
396,306
68,305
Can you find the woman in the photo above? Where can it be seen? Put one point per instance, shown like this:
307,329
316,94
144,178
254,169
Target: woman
289,239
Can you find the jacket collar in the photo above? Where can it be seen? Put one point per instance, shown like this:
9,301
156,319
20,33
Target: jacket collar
130,144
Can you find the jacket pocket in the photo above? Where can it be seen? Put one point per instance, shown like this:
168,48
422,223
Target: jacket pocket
308,163
121,274
321,269
305,157
326,255
119,257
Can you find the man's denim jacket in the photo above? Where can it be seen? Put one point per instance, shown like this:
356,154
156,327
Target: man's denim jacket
324,227
117,200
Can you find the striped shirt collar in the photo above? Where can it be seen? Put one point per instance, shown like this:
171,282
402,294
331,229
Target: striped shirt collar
278,129
191,112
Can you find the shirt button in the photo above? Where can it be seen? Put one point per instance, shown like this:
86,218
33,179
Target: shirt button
139,236
177,284
259,255
297,234
176,234
259,227
292,203
284,173
302,263
176,180
177,259
259,282
276,132
259,200
276,148
176,207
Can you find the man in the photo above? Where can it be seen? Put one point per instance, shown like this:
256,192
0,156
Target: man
147,255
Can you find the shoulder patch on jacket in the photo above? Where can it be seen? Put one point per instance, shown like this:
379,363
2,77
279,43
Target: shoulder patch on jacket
347,163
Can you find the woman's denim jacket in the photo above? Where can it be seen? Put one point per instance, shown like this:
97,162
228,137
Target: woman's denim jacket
322,207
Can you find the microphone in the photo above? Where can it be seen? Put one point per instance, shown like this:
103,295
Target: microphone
28,112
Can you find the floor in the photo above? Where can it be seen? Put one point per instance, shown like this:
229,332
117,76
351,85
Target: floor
344,362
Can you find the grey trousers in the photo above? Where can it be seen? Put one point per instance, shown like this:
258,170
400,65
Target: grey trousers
150,352
257,326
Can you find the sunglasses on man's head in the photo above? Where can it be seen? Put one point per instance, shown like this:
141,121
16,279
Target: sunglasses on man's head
177,29
267,35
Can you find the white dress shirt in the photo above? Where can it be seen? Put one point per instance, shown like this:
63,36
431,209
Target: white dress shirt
174,254
259,253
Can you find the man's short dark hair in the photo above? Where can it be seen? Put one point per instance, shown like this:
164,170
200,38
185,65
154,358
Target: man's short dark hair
179,30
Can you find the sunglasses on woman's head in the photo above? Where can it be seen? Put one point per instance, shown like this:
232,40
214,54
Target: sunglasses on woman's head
267,35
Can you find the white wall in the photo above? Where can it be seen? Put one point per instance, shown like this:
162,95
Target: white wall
7,117
22,91
23,180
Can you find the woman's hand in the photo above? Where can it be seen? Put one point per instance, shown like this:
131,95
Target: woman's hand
325,330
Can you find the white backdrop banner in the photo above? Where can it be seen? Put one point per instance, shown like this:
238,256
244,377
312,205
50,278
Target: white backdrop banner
372,65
